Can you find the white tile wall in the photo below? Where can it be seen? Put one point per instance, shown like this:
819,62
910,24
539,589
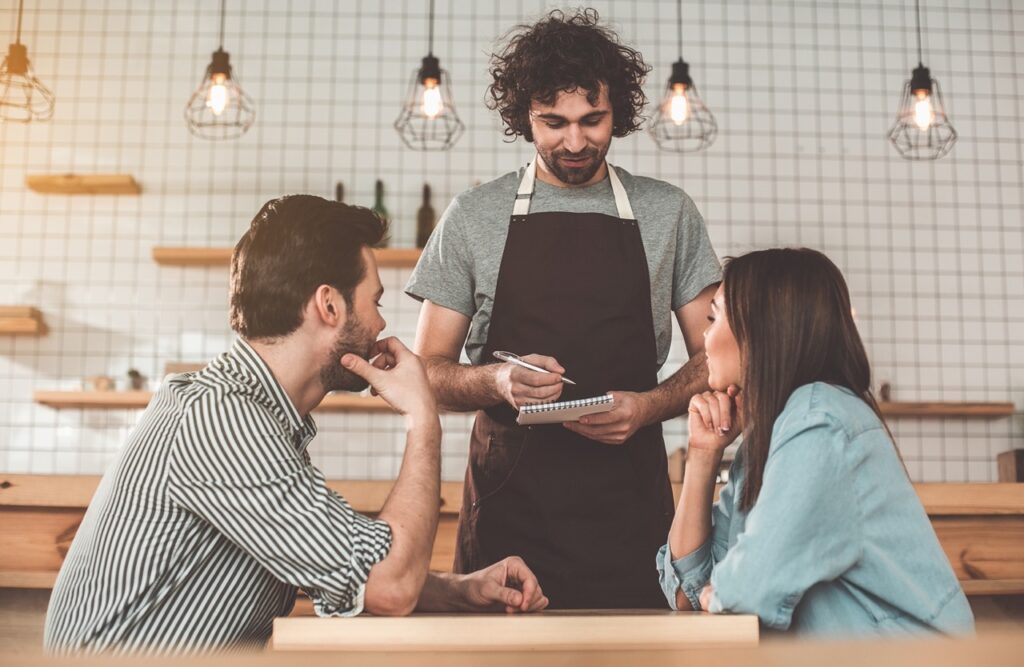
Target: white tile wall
803,91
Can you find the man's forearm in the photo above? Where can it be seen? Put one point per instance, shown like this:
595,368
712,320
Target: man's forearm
671,398
460,387
412,508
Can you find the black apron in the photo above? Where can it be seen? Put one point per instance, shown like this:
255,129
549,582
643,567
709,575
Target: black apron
588,518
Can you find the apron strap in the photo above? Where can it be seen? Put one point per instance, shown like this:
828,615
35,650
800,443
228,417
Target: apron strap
621,200
525,193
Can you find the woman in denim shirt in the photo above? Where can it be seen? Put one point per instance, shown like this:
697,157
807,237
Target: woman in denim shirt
819,530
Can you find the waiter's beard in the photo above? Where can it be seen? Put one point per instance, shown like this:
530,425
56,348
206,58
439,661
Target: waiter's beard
355,339
574,175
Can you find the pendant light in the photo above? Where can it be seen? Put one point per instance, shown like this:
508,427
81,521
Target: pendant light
682,122
428,120
23,98
219,108
922,130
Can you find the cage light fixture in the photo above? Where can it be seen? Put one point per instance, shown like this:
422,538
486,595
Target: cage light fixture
23,97
922,130
682,122
428,120
219,108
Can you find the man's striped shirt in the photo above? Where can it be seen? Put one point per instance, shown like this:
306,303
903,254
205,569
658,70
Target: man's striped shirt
207,522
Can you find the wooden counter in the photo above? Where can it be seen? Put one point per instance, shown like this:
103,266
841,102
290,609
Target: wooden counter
980,526
1002,650
549,631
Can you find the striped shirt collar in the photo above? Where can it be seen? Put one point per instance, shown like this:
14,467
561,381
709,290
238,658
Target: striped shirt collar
252,363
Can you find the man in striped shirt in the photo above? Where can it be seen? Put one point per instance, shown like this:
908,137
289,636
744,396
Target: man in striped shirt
212,515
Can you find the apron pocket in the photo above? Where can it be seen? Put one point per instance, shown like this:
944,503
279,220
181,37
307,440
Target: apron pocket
494,455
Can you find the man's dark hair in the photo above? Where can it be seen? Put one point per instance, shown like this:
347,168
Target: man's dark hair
294,245
566,53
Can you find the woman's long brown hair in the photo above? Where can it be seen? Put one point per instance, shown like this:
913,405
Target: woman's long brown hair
790,311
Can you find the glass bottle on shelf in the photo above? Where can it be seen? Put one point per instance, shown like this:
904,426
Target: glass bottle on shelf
381,210
425,219
339,192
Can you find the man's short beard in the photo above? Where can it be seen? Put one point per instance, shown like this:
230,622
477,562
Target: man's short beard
574,176
354,339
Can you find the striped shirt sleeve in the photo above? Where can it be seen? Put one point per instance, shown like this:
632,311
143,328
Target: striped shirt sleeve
234,468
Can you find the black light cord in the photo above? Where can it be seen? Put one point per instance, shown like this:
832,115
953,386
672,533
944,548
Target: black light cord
430,39
679,25
221,47
917,8
21,10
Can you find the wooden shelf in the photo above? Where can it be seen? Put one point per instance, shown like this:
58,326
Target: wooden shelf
992,586
169,256
21,321
93,399
940,499
904,409
353,403
397,258
27,579
971,499
76,491
343,402
980,526
83,184
113,400
196,256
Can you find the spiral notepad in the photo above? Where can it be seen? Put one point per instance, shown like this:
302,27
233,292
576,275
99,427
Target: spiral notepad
564,411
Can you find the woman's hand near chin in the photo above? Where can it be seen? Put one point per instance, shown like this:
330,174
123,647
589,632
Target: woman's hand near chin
714,421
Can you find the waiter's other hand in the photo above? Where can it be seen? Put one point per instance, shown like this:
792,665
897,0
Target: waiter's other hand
508,584
618,424
520,386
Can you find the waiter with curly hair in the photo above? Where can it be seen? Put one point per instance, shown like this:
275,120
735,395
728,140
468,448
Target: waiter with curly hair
577,266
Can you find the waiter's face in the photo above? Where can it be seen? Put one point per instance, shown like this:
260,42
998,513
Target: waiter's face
572,135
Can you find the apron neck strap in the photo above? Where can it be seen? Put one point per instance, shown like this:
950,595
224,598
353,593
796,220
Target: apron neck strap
525,193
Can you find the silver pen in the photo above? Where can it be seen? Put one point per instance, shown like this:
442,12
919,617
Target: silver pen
518,361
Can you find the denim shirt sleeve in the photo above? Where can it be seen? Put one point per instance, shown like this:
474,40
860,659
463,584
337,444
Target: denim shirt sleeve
803,529
693,571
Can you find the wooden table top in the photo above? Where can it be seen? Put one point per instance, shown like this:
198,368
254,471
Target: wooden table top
549,630
990,651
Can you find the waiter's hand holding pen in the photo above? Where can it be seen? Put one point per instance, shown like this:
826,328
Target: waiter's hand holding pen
532,378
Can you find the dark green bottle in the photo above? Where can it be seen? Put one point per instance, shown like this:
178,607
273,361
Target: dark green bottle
425,219
381,210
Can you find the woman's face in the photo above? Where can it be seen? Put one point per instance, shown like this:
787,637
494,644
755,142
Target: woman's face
721,348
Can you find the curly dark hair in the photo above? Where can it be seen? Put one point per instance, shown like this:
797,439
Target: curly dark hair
566,53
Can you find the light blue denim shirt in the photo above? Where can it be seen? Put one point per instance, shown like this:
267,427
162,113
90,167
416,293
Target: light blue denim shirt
837,543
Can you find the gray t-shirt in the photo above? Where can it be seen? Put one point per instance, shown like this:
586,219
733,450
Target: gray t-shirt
459,266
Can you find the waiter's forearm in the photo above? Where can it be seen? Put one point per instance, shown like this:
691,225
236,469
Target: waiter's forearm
461,387
671,398
442,591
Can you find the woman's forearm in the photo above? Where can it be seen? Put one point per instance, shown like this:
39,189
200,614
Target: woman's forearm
691,526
